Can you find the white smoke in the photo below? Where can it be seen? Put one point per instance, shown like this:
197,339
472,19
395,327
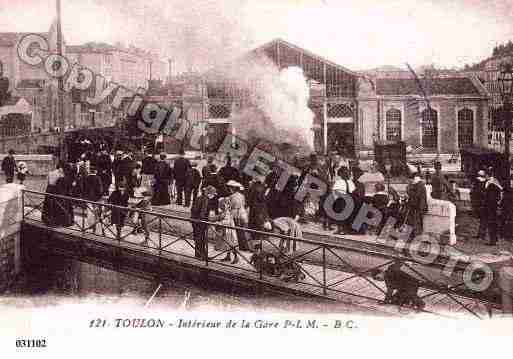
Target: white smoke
287,106
278,111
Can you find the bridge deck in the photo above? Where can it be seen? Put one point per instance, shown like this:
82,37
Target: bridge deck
329,281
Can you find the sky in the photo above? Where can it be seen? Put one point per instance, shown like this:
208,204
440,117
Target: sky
360,34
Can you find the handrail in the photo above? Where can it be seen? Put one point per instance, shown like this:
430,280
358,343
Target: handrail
323,247
248,230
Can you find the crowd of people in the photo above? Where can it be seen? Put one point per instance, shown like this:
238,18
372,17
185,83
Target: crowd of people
224,194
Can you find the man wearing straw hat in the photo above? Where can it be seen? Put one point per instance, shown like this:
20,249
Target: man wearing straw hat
200,211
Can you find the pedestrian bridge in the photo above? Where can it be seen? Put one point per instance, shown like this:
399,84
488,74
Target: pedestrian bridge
332,270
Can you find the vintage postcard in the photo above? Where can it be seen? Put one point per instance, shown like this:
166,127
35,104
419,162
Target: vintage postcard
237,177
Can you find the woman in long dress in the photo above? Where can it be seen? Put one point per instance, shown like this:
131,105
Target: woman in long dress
226,238
64,215
49,204
239,213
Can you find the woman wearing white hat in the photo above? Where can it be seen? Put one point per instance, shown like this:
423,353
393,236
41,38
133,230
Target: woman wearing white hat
239,212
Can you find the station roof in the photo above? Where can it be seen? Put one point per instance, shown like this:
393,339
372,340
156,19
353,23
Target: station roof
285,44
304,51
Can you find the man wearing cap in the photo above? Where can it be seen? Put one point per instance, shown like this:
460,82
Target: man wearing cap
489,221
200,211
477,195
417,204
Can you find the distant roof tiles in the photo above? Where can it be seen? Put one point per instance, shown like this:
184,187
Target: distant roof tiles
436,86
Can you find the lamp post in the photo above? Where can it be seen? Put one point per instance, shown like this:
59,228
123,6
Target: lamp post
505,82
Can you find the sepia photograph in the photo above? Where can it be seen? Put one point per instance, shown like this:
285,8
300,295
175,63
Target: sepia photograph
195,174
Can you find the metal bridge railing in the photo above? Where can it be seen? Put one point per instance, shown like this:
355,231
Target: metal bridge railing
327,269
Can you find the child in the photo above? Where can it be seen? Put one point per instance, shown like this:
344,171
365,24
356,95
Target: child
22,171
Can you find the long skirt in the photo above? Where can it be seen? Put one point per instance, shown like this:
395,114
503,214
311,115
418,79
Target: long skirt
50,207
225,238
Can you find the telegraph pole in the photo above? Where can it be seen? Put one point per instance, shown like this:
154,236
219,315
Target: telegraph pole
63,153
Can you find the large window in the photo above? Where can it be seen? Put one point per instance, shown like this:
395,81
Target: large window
393,125
429,128
465,128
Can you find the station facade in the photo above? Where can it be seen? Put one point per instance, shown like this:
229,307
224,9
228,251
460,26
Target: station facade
353,110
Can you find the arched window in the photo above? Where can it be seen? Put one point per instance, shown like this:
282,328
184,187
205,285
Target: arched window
465,128
429,128
393,125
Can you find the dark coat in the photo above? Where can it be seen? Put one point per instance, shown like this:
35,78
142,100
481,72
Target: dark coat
8,165
180,169
477,197
118,215
93,188
64,215
104,164
163,172
116,167
258,215
492,197
417,206
148,165
200,210
193,179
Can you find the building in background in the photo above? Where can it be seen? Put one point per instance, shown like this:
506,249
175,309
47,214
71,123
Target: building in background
396,108
130,67
31,82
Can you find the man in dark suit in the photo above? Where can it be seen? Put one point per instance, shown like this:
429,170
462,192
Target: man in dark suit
489,221
180,169
93,191
417,204
9,166
104,165
192,184
200,211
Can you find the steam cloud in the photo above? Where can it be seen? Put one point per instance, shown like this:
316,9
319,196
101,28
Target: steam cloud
279,112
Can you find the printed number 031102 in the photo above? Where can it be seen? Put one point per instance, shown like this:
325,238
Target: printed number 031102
30,343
